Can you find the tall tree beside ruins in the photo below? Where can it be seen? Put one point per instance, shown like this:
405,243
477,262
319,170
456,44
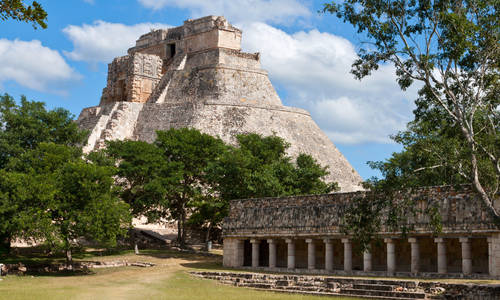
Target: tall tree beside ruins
145,178
452,48
256,167
66,198
192,151
23,127
18,10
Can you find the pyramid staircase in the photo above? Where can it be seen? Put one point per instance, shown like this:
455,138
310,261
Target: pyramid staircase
160,91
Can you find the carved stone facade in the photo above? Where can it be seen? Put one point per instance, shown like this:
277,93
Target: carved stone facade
306,233
196,76
132,78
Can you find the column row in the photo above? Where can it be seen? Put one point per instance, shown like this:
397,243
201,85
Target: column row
367,255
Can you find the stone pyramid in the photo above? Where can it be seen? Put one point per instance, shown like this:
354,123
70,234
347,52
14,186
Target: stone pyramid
196,76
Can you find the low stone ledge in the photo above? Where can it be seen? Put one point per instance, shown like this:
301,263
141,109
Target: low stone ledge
426,275
371,288
21,269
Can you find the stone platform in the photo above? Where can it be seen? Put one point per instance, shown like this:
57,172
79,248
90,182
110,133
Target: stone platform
355,287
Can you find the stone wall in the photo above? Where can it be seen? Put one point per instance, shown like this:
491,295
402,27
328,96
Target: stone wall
460,208
356,287
132,78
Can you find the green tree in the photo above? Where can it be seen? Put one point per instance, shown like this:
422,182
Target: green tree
145,177
452,48
208,212
22,128
68,198
433,154
15,213
193,151
260,167
26,125
17,10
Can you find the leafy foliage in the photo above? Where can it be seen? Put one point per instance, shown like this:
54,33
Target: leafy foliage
260,167
145,177
451,49
190,177
23,127
192,151
48,191
17,10
68,198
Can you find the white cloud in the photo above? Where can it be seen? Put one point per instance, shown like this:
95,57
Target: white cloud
277,11
313,69
35,66
103,41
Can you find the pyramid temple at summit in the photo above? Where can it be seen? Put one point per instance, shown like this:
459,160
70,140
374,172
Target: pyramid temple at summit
196,76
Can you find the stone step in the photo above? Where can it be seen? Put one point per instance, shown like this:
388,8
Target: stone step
256,285
378,287
288,291
410,295
360,290
407,284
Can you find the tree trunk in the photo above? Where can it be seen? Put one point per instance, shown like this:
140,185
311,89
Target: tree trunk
69,259
207,236
179,231
136,248
479,188
475,177
183,235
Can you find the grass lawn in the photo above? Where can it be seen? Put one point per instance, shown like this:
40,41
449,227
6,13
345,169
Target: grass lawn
169,279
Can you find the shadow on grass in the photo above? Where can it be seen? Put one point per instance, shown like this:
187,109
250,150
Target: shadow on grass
206,265
187,255
39,261
63,273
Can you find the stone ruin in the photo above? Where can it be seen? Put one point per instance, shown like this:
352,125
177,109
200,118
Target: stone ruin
305,234
196,76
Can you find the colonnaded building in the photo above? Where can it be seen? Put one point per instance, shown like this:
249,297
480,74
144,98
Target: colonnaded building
196,76
305,234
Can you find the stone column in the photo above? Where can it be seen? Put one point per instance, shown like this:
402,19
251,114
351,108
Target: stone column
391,255
272,253
291,253
347,255
494,254
490,256
367,260
311,254
441,255
415,255
466,256
255,252
240,253
328,254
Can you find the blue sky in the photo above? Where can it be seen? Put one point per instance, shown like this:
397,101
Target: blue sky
307,54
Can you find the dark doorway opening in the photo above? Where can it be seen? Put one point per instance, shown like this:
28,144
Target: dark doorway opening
263,253
247,251
171,50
